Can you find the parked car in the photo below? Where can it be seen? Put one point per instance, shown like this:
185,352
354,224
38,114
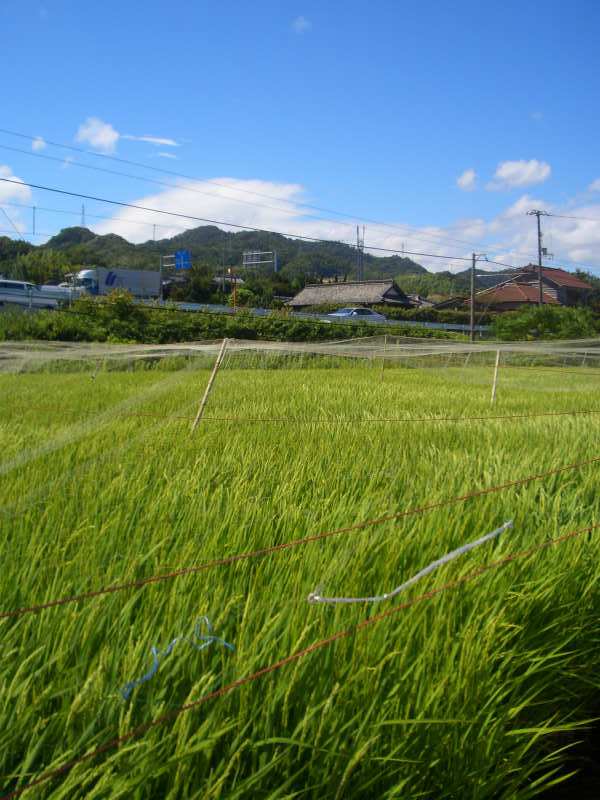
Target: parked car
21,293
357,314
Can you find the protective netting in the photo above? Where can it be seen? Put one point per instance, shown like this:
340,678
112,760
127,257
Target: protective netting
385,350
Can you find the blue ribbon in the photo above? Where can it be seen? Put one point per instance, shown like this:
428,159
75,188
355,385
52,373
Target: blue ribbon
199,641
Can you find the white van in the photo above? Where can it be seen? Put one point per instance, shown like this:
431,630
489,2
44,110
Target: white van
27,295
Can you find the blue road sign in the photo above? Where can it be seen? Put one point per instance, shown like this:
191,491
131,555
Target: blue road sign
183,259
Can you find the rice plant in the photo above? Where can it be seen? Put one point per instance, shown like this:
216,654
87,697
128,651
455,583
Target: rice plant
477,692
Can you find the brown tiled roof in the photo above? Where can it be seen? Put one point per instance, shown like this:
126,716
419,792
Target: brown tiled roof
558,276
514,293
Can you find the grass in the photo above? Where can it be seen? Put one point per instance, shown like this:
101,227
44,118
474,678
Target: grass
473,694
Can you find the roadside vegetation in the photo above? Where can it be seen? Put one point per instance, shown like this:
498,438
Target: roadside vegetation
117,318
546,322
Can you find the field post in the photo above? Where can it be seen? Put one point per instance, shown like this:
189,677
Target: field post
584,357
495,375
383,357
215,369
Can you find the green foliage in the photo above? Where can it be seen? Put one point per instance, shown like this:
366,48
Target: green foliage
441,284
38,266
212,251
10,249
545,322
118,318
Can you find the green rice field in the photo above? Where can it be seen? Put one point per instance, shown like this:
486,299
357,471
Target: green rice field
481,690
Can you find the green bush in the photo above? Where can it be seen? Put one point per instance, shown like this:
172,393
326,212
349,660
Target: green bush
118,319
546,322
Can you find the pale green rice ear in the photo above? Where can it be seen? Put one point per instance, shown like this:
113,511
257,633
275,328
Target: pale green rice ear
470,691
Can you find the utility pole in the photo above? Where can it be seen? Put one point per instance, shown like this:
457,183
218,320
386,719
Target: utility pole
537,213
476,256
82,215
360,252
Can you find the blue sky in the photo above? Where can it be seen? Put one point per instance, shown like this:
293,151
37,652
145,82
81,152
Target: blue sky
377,113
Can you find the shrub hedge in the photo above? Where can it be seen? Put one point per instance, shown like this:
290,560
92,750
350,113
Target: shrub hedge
117,318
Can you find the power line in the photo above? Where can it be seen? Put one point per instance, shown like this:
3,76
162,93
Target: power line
299,204
181,215
92,216
567,216
167,184
19,234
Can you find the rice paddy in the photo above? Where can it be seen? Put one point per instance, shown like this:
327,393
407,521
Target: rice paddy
476,691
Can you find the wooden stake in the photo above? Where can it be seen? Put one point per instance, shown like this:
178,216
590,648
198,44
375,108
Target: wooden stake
209,385
383,357
495,375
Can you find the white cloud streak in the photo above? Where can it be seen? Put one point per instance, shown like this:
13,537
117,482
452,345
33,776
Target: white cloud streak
151,139
594,186
104,137
518,174
467,181
38,144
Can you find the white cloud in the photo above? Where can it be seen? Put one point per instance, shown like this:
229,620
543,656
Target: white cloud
38,144
515,174
100,135
510,237
166,155
10,192
467,181
152,140
104,137
594,186
10,218
301,25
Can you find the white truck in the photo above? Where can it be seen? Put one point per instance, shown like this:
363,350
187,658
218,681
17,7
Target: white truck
100,281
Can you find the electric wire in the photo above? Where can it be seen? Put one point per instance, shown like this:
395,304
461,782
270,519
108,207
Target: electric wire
300,204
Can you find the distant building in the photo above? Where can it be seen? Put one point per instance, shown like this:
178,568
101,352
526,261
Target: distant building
559,287
568,289
352,293
511,296
417,301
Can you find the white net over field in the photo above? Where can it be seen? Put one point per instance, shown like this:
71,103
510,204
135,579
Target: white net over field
392,350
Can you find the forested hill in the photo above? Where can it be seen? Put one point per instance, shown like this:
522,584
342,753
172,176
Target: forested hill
211,248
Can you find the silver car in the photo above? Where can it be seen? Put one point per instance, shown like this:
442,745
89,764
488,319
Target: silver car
357,314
